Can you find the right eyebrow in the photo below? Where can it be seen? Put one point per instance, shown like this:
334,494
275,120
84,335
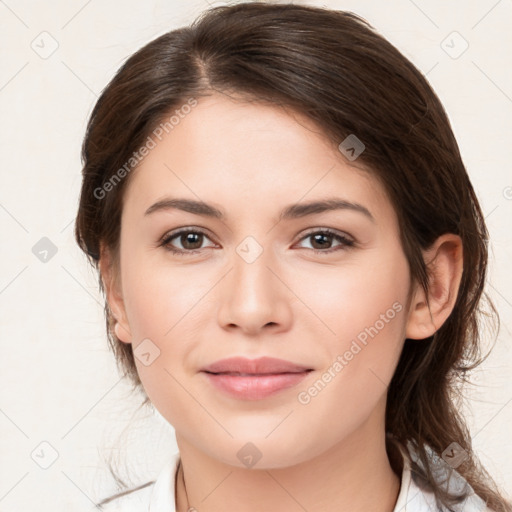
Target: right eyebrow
187,205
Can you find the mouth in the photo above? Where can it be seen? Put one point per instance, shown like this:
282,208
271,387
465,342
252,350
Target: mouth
254,386
240,374
260,366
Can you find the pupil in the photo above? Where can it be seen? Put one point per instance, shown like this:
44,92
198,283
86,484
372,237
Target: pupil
317,239
191,238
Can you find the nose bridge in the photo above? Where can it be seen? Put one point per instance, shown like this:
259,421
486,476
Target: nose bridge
253,296
251,275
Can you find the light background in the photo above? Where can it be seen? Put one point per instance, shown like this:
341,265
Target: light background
59,383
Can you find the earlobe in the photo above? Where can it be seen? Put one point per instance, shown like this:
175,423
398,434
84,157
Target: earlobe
122,334
444,266
113,293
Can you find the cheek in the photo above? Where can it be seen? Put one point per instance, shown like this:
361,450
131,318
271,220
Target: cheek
353,296
366,309
362,308
159,296
165,304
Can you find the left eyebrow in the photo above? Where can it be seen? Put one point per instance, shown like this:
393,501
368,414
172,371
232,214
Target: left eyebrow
292,211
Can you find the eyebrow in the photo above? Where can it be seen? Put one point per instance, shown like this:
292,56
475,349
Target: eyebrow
292,211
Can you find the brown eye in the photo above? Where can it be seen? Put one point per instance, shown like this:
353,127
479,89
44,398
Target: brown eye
322,241
188,241
191,240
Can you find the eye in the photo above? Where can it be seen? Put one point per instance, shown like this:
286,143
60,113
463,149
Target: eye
323,240
191,241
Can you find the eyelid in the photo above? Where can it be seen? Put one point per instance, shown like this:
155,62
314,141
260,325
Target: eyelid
185,229
329,231
345,240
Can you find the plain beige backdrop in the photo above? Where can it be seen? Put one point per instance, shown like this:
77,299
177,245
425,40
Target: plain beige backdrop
63,407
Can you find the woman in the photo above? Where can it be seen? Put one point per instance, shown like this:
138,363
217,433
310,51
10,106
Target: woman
293,257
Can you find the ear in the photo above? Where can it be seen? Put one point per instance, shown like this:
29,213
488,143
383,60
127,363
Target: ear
112,285
444,266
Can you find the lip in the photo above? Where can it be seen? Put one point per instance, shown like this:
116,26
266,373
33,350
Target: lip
262,365
254,379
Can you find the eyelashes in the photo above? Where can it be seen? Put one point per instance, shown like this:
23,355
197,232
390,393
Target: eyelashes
343,240
319,235
166,242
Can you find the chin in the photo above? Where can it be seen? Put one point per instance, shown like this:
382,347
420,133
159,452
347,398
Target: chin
253,450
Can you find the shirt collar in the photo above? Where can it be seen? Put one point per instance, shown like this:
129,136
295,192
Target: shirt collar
414,494
163,495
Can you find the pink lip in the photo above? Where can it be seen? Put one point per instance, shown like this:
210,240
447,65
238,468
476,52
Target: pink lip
261,377
254,366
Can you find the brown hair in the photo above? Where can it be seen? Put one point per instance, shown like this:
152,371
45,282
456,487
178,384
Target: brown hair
335,69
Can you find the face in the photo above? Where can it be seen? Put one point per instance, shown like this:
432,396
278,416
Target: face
324,289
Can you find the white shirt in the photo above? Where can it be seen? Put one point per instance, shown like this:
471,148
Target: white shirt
159,495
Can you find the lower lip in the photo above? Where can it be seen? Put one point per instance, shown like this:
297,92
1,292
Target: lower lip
255,387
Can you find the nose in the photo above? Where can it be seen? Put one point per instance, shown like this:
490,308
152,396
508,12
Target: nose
254,297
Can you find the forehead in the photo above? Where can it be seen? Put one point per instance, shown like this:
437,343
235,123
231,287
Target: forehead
247,156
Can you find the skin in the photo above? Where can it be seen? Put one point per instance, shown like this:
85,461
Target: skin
250,161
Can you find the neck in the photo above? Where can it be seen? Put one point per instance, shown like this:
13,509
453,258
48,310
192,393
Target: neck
355,475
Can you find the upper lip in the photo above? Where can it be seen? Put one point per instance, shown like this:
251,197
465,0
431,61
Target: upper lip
262,365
